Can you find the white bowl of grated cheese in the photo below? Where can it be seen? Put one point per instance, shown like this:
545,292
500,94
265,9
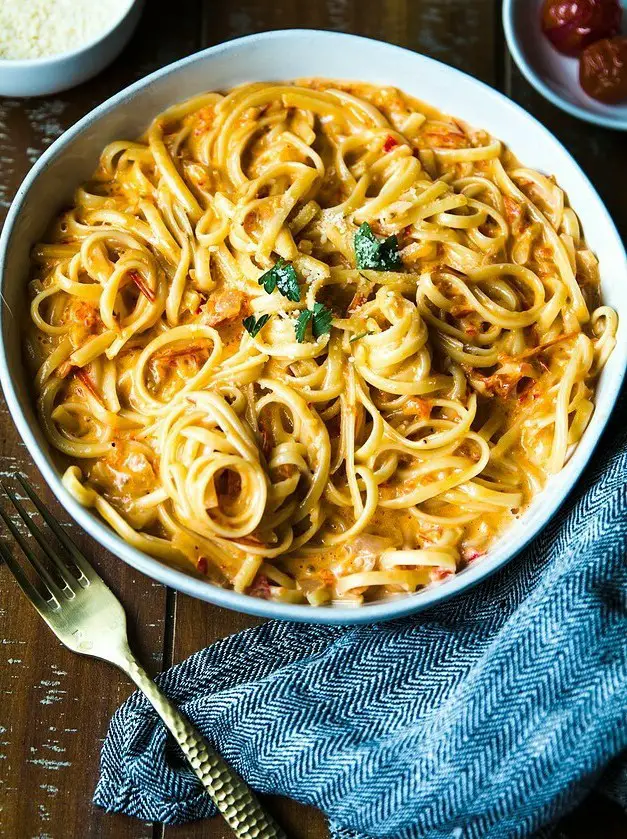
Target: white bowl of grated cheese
46,47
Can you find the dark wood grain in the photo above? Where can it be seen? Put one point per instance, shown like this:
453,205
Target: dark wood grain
458,32
54,706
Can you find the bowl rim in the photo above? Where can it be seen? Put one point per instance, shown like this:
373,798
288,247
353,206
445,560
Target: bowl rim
48,60
202,589
535,80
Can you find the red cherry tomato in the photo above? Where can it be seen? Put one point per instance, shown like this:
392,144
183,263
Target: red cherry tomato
571,25
603,70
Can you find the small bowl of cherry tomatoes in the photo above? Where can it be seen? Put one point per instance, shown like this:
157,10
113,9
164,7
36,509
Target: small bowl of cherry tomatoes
574,52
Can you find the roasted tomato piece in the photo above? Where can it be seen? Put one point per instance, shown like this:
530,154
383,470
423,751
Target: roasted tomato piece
603,70
571,25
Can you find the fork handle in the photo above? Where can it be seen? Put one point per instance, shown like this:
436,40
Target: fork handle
231,795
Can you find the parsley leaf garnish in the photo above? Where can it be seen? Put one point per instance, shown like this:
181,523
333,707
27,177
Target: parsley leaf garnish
301,324
282,276
376,254
320,319
252,326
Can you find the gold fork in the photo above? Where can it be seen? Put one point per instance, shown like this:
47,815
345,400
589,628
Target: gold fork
88,618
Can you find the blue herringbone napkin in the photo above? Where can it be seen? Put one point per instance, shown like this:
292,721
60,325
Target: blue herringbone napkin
488,716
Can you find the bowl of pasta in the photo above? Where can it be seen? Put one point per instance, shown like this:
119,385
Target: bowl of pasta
311,327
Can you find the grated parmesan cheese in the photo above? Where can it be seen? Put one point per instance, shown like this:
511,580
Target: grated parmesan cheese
40,28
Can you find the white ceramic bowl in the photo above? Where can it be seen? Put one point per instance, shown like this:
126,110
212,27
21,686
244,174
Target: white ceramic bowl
554,76
275,56
44,76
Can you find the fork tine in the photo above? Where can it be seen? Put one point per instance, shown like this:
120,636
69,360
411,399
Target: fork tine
79,560
32,527
32,558
41,604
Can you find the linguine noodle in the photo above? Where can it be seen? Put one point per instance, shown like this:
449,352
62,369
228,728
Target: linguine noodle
315,341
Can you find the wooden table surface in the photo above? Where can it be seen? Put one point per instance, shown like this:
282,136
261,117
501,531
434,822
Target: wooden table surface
55,706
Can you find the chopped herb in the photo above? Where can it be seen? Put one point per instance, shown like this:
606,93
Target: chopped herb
282,276
320,319
253,327
287,283
268,280
301,324
321,323
359,337
376,254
